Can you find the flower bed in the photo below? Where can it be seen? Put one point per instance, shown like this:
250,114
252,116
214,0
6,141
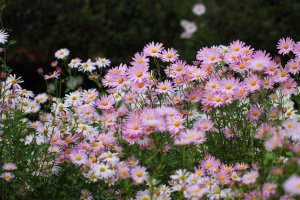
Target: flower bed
223,127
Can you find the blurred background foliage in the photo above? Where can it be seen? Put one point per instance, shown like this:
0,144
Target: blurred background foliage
117,29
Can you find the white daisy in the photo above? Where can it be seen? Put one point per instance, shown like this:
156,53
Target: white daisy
3,36
87,66
199,9
75,63
103,62
62,53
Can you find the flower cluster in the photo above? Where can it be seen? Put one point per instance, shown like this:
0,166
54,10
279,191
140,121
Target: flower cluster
228,117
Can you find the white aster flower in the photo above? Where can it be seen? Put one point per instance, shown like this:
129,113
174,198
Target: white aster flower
62,53
199,9
3,37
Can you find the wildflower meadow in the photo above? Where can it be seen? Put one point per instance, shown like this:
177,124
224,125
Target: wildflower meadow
225,126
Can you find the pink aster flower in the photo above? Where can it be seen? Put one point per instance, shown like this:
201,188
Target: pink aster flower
153,49
296,49
292,185
175,123
228,86
9,166
271,68
7,176
294,65
268,82
138,73
169,55
210,164
288,87
241,166
282,74
140,60
254,113
260,61
250,177
139,174
78,157
209,55
164,87
285,45
105,102
53,75
252,83
269,189
204,125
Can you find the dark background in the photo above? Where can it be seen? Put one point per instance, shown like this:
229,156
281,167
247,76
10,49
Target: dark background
116,29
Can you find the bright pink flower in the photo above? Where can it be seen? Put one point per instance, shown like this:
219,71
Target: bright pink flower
241,166
285,45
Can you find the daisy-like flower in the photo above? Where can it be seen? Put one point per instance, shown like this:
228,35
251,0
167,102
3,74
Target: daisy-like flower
209,55
210,164
285,45
143,195
78,157
164,87
75,63
53,75
153,49
110,157
199,9
105,102
260,61
9,166
102,62
292,185
296,49
139,174
169,55
86,195
254,113
138,73
3,37
269,189
189,28
228,86
252,83
102,170
7,176
140,59
175,124
62,53
87,66
250,177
